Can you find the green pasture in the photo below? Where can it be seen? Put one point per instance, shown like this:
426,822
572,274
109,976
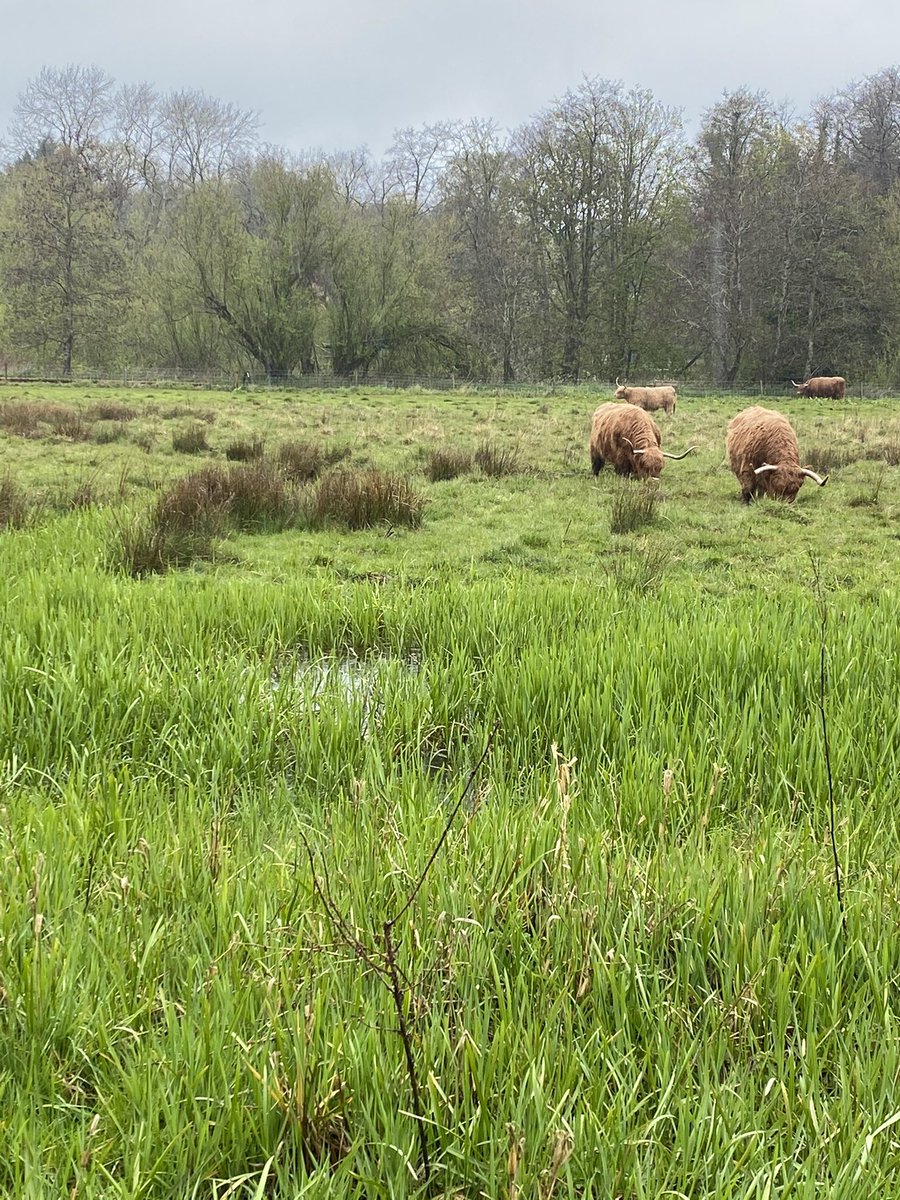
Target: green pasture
626,972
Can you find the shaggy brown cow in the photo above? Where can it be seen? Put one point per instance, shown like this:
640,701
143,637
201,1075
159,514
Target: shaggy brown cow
764,455
628,439
650,399
823,387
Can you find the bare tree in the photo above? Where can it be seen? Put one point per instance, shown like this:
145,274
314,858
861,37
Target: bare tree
490,251
867,117
68,107
642,181
417,161
733,163
204,138
564,156
138,142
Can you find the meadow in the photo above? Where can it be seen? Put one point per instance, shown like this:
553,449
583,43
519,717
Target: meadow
626,972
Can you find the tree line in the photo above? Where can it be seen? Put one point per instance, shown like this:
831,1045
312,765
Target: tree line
140,228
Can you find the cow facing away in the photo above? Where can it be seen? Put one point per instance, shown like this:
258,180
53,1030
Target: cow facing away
764,455
628,439
823,387
650,399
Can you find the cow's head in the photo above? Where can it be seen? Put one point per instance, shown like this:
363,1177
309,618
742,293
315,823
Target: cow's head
783,481
649,462
621,390
802,388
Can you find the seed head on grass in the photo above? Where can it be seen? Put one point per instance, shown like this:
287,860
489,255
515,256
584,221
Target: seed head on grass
361,499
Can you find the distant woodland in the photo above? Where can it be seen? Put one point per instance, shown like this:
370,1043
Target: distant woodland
149,229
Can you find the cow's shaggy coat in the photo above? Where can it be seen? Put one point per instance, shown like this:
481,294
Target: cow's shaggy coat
650,399
764,455
628,439
823,387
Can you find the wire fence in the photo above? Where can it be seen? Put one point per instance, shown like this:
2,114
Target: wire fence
234,381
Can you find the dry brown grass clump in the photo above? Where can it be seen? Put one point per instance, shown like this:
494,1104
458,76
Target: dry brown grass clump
110,410
300,461
498,460
13,503
447,464
361,499
192,440
243,450
35,419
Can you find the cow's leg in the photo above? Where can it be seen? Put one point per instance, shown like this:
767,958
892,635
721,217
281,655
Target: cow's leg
596,463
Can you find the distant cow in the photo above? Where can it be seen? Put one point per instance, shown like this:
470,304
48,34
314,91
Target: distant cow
764,455
823,387
628,439
650,399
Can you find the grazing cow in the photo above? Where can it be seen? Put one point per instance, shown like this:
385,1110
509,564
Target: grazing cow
764,455
823,387
650,399
628,439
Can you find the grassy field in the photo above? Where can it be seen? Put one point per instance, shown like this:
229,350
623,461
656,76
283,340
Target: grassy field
625,973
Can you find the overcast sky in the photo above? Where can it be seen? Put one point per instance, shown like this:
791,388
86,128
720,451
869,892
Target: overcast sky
337,74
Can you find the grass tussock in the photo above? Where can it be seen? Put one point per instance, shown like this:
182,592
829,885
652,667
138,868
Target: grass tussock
361,499
259,496
192,440
825,459
447,464
634,506
179,411
14,507
886,450
191,516
497,461
36,419
641,569
185,523
110,410
300,461
245,450
107,432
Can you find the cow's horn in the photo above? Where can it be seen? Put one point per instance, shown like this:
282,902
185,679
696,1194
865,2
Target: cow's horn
765,467
618,385
797,384
676,456
627,440
818,478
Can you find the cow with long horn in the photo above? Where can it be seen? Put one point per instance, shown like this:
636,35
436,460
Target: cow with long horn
764,454
650,399
629,440
822,387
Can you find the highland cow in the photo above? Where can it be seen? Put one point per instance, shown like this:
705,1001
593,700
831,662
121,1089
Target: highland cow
823,387
650,399
628,439
764,455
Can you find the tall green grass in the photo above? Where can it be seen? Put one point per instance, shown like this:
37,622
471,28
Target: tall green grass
625,972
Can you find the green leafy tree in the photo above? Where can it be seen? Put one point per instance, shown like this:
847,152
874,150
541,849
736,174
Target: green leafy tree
62,261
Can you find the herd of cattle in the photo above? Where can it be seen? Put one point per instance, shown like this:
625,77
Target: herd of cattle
761,444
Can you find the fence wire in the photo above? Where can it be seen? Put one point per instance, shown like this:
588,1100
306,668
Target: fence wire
235,381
